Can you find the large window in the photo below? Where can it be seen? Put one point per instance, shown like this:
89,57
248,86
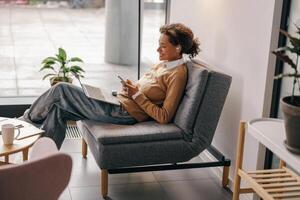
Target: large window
105,34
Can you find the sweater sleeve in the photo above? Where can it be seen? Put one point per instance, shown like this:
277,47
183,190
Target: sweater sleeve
163,114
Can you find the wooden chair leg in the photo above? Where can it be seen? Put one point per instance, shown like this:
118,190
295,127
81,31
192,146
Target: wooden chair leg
104,183
239,160
84,148
6,158
236,189
25,154
225,178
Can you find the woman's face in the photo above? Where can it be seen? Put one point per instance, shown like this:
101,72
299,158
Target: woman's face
166,50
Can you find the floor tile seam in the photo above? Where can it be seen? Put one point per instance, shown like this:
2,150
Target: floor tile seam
212,180
114,184
77,152
133,183
79,30
70,195
45,29
70,152
14,51
196,178
186,180
162,188
83,186
153,174
219,192
77,172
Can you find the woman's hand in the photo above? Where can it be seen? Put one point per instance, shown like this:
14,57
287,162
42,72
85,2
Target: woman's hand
129,89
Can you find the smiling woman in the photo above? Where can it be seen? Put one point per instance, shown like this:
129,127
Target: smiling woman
155,96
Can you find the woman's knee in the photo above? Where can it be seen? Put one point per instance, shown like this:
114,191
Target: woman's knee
60,86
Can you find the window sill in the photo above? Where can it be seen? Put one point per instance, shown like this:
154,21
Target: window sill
17,100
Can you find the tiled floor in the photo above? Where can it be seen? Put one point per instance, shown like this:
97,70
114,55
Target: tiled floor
28,34
190,184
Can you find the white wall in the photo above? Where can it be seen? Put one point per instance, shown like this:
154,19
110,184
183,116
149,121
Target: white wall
235,36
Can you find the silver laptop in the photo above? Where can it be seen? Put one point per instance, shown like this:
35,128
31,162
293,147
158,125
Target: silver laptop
98,94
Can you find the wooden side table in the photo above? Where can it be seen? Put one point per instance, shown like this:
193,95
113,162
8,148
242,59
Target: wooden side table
18,146
28,134
269,184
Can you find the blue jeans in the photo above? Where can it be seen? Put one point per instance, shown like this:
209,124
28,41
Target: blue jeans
64,102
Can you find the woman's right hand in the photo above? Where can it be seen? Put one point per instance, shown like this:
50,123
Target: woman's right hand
129,82
127,88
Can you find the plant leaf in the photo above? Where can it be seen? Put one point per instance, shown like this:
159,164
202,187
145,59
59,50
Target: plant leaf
66,70
62,53
59,58
298,28
294,41
285,58
295,75
76,68
281,49
49,62
47,67
295,50
76,59
49,59
48,75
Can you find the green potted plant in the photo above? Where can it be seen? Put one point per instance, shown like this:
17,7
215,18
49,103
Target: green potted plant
61,67
291,104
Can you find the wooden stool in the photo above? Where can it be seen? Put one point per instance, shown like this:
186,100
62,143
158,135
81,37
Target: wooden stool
269,184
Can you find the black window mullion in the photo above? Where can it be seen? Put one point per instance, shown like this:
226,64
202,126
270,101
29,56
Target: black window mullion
286,6
139,38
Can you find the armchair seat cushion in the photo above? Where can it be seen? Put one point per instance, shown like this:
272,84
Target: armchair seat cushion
145,143
149,131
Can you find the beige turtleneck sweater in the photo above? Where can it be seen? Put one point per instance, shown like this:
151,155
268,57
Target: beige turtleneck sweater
160,92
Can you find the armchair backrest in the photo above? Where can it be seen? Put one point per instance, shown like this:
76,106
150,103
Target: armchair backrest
188,108
41,178
200,109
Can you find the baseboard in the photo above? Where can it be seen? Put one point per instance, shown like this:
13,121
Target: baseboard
218,171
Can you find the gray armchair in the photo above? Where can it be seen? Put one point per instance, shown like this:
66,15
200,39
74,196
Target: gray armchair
150,146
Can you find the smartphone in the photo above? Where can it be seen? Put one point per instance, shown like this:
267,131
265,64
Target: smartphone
122,80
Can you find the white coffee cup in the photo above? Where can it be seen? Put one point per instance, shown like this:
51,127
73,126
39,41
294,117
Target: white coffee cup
8,133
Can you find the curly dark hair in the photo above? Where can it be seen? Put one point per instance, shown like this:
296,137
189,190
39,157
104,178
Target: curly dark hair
180,34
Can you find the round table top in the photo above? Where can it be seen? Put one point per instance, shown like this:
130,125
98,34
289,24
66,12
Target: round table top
28,135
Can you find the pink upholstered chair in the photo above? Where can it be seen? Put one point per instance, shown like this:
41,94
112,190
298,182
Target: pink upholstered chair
44,176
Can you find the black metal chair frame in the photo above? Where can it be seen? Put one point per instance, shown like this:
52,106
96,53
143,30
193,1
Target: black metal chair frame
220,161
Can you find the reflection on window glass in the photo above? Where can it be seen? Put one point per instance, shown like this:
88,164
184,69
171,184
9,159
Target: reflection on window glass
102,33
287,83
153,18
